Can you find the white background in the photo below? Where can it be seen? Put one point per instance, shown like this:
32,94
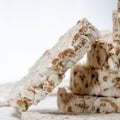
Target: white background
29,27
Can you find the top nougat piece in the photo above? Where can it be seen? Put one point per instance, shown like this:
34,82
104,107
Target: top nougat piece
49,70
116,24
104,54
116,27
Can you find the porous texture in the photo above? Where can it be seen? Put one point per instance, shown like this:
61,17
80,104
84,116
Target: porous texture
104,55
86,80
109,82
70,103
49,70
116,26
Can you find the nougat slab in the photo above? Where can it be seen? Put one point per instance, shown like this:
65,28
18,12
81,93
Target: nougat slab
104,55
116,24
49,70
86,80
116,27
75,104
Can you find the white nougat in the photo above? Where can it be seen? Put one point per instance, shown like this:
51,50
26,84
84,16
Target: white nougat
86,80
49,70
76,104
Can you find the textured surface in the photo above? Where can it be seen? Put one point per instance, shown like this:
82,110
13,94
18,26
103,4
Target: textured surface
49,70
97,56
71,103
42,116
88,80
84,80
46,110
116,24
109,83
104,54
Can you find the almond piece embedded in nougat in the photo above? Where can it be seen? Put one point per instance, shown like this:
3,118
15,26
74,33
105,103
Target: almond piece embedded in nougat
86,80
49,70
75,104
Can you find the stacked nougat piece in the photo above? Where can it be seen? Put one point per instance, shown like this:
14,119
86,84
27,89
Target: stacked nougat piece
95,86
116,24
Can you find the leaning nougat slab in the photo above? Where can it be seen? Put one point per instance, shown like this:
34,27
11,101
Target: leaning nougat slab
71,103
116,24
49,70
90,81
104,54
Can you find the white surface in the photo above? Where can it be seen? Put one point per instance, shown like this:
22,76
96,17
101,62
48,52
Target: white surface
29,27
57,116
